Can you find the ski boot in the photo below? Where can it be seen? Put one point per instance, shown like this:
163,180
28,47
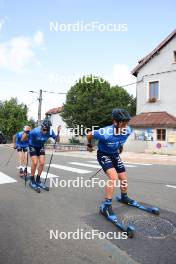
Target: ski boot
21,172
34,186
42,185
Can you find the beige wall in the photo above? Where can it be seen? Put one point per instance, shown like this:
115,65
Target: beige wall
162,62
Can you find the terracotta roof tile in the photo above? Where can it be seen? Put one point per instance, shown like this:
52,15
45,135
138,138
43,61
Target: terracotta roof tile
153,119
55,110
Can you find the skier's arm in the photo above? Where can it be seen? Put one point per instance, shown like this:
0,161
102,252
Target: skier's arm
58,134
24,136
56,137
89,142
120,149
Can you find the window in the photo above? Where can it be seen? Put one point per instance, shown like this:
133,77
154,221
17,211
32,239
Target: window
174,55
161,134
153,90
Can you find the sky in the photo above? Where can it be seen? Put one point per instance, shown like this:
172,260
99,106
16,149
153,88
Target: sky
46,45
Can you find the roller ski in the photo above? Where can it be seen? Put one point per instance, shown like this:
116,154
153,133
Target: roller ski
106,210
130,202
34,186
42,185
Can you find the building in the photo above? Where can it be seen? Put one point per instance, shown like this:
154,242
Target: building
155,122
56,120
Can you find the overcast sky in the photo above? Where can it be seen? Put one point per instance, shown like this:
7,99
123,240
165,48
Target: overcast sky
34,56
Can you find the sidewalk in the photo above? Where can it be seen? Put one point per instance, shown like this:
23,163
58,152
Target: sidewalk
130,157
126,156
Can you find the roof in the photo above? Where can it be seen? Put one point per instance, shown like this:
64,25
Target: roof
153,119
55,110
154,52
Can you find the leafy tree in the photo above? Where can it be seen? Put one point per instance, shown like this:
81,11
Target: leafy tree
13,117
32,123
91,100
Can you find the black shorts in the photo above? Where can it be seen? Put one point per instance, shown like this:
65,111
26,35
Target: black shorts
110,161
22,149
36,151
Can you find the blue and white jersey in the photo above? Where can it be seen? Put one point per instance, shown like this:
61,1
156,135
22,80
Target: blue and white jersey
109,140
21,143
37,138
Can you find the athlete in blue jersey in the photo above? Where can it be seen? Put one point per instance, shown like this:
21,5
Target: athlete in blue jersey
22,149
110,144
37,138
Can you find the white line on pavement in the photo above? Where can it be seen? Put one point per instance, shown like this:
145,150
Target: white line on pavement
85,165
62,167
171,186
5,178
135,163
128,163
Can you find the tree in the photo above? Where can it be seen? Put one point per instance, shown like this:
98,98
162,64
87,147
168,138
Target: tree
13,117
123,99
32,123
91,100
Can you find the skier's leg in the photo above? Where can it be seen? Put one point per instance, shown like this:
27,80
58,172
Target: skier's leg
40,169
123,182
124,188
19,150
41,164
23,159
34,160
107,165
110,186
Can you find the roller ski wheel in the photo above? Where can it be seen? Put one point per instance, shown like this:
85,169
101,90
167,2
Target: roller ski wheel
42,186
130,202
107,212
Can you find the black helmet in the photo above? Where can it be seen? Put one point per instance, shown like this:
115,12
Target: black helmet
46,124
121,115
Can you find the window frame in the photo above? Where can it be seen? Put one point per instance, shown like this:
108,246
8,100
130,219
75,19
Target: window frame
174,53
161,134
148,91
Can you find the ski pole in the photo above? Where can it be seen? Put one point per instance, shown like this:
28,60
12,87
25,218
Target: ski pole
95,174
50,162
27,168
11,155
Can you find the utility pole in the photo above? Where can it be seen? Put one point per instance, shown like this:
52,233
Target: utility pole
39,107
40,103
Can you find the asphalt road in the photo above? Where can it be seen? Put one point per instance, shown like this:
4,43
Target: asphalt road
27,219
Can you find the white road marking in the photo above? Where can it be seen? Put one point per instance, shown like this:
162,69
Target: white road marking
6,179
128,163
93,161
171,186
142,164
66,168
86,165
43,175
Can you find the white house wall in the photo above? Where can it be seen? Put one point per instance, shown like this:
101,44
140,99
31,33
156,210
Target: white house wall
163,62
56,120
